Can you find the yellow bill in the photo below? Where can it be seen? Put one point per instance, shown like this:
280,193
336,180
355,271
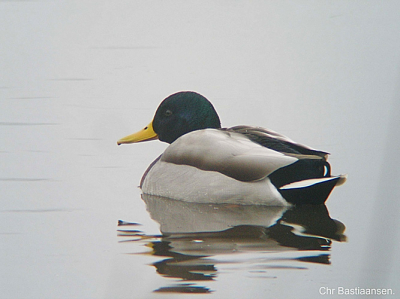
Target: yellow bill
143,135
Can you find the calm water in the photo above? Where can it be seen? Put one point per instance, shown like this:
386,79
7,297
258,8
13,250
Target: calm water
76,76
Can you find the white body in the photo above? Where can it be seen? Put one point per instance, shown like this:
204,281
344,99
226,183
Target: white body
200,166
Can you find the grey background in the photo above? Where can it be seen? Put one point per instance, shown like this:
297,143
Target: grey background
75,76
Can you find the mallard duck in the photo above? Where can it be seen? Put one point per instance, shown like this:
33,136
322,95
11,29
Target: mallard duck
205,163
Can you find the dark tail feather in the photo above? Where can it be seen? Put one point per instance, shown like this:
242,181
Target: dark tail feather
311,191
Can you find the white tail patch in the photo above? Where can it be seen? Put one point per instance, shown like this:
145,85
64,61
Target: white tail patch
308,183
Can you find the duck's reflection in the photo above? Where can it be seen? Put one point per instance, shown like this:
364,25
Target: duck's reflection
194,236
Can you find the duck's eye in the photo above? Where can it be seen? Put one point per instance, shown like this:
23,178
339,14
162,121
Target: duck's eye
168,112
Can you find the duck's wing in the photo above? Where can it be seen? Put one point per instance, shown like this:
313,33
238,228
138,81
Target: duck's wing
299,174
228,152
276,141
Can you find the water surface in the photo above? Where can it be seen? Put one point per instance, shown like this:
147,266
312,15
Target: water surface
78,75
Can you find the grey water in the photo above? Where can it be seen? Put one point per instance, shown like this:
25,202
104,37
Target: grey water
76,76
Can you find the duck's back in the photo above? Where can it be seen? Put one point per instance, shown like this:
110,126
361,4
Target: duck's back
228,152
237,165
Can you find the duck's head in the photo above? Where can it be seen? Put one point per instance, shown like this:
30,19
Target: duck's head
177,115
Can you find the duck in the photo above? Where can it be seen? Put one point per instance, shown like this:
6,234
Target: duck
245,165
